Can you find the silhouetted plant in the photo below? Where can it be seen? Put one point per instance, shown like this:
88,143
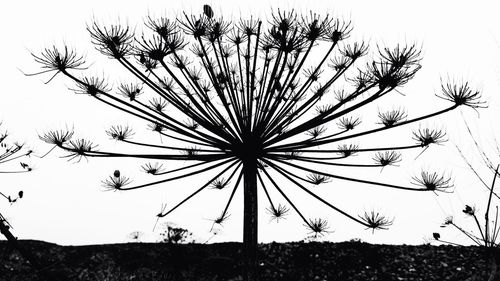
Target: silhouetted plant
172,234
256,107
489,230
486,232
135,236
11,162
10,154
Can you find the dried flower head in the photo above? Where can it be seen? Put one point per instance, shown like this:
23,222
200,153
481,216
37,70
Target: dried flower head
278,212
158,104
314,28
318,179
348,123
153,169
220,183
339,63
79,148
401,56
433,181
348,149
338,30
154,48
162,26
355,50
429,136
222,218
316,132
92,86
130,91
391,117
58,60
375,220
156,127
115,182
114,41
57,137
318,227
385,158
389,77
461,94
120,132
195,26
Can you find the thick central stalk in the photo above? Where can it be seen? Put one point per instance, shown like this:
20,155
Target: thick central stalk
249,152
250,219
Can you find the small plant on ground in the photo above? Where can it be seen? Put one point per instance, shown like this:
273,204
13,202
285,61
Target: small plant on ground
172,234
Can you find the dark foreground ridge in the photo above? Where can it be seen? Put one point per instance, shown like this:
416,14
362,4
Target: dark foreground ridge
277,261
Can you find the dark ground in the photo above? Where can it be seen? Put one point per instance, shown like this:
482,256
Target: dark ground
289,261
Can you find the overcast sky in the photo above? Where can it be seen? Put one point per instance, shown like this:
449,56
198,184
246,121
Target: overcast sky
65,204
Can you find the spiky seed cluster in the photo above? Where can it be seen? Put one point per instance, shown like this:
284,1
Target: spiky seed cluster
348,149
220,183
389,118
429,136
158,104
316,132
54,59
120,132
57,137
318,227
114,182
278,212
92,86
318,179
114,41
461,94
348,123
222,218
156,127
375,220
386,158
153,169
245,92
130,91
433,181
79,148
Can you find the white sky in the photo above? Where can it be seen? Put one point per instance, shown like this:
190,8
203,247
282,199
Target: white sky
65,204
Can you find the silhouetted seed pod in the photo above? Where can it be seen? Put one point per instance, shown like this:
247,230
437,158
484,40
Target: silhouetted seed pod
207,10
436,235
116,174
20,194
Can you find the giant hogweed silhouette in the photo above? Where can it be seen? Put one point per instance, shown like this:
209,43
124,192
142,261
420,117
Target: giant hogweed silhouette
258,107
